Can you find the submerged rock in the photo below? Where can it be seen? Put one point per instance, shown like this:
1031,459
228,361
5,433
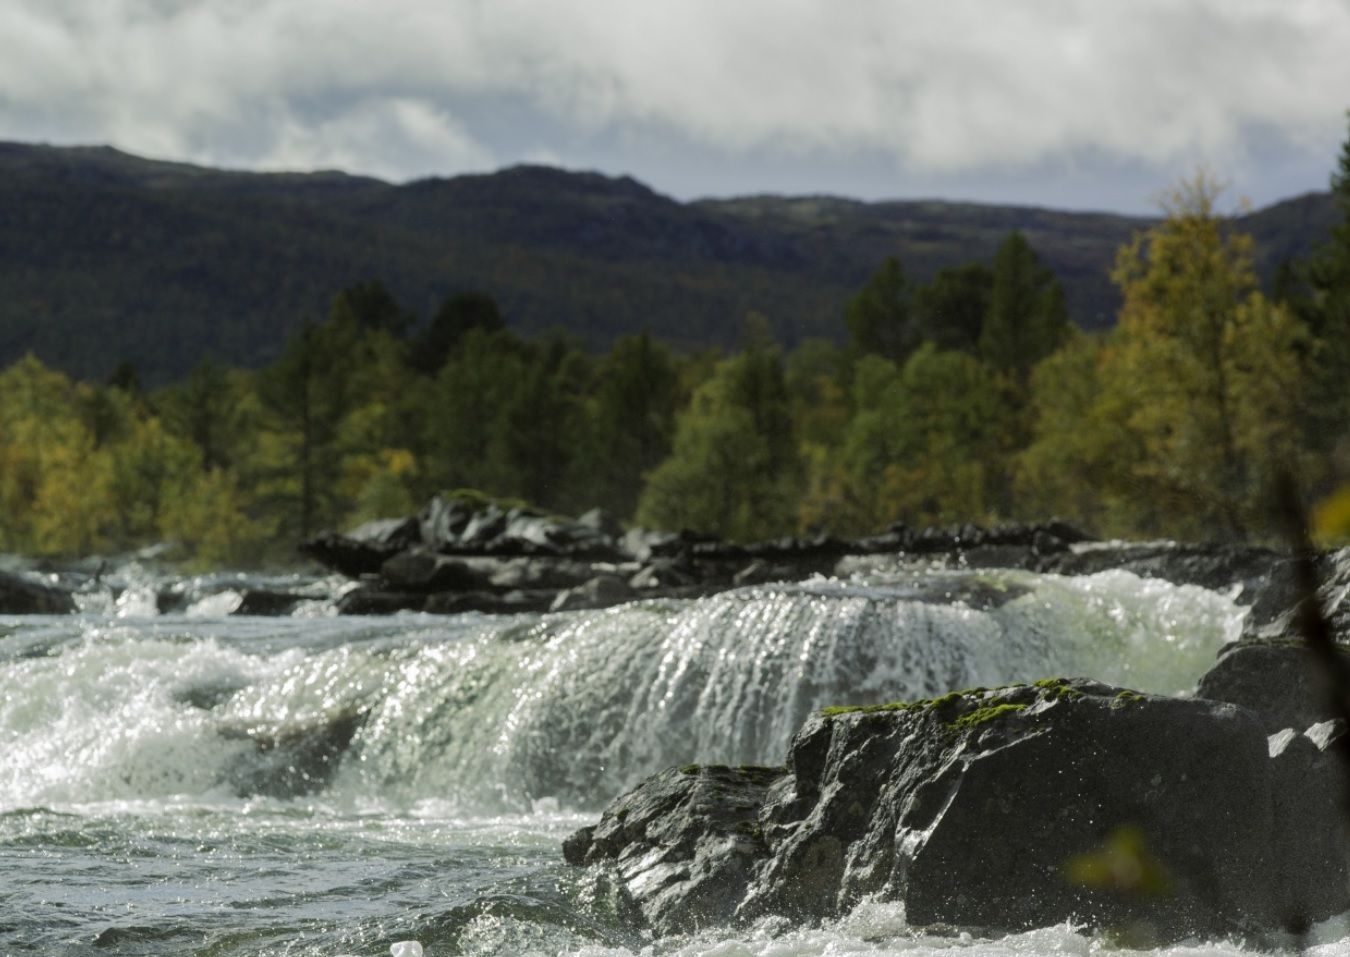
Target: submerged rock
291,761
1001,810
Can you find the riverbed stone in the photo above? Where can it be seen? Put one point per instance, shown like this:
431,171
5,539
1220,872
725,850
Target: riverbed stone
1310,824
998,810
682,845
20,595
1279,680
989,809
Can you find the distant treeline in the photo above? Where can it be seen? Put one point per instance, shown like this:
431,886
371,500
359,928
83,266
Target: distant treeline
968,398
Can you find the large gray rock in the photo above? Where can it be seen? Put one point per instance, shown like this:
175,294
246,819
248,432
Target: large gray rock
1309,790
682,845
973,810
420,571
1000,810
24,596
1279,680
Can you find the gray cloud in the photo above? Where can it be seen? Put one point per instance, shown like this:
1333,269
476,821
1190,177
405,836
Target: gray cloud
944,91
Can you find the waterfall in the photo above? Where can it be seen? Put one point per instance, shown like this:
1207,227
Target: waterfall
500,714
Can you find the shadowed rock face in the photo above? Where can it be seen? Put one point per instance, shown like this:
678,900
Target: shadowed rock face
23,596
1279,681
1310,871
461,546
986,809
683,844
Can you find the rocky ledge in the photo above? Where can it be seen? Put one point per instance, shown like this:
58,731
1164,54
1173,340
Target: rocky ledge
998,810
462,553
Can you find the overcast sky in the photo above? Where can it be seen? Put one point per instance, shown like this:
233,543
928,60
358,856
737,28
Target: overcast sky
1069,103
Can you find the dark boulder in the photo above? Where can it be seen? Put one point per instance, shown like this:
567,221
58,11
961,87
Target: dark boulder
24,596
533,573
1309,872
665,573
682,845
346,555
489,602
264,602
993,809
998,810
421,571
1279,680
1333,569
375,600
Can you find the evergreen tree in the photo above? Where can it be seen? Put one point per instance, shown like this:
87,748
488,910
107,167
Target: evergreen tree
455,318
1326,309
1207,372
1027,318
633,420
950,310
371,306
733,470
879,316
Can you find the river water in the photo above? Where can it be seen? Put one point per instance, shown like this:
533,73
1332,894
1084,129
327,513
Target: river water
209,784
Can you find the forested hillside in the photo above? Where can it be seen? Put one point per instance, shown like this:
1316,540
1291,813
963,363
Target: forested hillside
105,256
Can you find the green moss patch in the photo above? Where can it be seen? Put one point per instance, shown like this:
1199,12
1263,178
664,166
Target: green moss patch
979,716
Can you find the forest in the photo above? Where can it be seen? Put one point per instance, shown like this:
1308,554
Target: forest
966,398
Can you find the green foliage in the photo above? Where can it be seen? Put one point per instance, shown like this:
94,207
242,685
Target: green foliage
965,398
1177,423
631,422
879,317
456,318
1326,310
370,306
951,308
1208,372
733,469
1027,318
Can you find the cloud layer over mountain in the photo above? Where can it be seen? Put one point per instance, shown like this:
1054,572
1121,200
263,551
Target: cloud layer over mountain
928,93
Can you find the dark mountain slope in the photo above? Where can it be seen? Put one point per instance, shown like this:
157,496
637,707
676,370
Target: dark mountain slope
104,255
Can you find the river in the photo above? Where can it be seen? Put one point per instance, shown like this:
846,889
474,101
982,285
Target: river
208,784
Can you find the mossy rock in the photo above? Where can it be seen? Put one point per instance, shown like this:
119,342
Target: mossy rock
960,707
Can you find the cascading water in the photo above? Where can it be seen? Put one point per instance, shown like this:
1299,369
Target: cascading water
576,707
331,784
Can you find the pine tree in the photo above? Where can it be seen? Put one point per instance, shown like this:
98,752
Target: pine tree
1027,317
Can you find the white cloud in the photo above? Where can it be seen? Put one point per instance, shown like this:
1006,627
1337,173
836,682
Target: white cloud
956,86
394,137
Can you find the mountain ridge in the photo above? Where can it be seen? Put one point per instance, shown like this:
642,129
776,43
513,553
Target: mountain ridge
175,261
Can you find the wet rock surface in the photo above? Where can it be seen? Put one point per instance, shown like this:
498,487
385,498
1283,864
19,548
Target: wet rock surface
999,810
684,844
460,546
1278,680
1309,821
20,595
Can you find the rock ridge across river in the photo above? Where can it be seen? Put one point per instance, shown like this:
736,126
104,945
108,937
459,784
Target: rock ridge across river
464,553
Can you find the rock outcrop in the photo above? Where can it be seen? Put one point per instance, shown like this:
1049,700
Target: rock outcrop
997,810
464,552
687,839
1278,680
20,595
